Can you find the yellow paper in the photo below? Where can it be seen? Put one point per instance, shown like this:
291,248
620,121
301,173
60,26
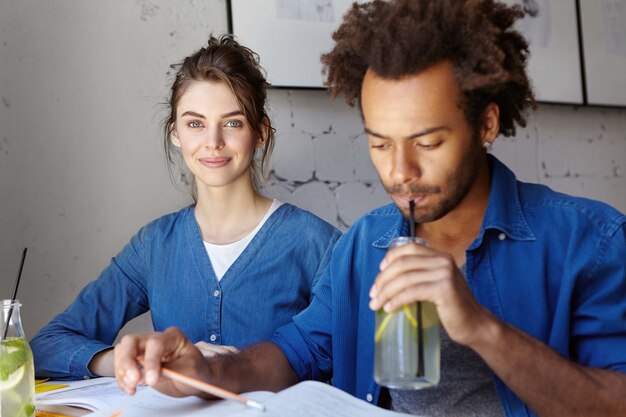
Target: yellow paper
39,388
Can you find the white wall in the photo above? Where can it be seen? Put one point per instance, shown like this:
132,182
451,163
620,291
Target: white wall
81,166
321,158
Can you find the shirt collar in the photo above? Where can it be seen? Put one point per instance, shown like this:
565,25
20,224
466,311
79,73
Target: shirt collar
504,211
399,226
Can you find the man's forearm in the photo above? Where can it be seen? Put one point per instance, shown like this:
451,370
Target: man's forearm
546,382
260,367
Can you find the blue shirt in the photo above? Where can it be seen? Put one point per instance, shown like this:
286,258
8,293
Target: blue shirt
165,269
550,264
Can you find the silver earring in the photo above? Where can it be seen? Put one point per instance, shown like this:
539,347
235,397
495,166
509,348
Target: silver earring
487,146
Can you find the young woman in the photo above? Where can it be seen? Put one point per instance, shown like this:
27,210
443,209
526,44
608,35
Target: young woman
227,270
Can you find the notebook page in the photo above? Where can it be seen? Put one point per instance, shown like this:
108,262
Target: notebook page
150,402
316,399
93,394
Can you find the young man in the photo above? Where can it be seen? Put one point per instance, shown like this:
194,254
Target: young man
529,284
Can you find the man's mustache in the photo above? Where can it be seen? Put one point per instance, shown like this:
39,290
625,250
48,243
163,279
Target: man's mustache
412,189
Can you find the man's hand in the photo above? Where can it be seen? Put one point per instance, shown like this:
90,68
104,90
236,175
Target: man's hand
412,272
170,348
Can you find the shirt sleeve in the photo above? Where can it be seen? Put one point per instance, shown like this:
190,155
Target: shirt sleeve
307,340
333,236
599,318
64,347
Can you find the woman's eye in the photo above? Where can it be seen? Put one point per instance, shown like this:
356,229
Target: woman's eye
194,124
233,123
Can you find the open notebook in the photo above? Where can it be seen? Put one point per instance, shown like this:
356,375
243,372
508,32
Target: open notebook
306,399
92,394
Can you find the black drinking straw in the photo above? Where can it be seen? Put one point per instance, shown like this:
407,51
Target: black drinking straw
420,329
412,220
17,285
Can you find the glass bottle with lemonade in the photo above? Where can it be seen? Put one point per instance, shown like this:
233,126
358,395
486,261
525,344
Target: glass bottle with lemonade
407,342
17,373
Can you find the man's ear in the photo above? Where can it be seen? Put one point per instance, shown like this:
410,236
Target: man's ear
490,124
174,138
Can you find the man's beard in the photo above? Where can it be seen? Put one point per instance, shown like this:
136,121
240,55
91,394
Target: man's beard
458,183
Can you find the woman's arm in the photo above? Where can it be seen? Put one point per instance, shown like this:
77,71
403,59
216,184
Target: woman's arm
64,348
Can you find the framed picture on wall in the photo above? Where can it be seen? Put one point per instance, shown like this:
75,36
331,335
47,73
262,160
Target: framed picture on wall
554,66
603,26
289,36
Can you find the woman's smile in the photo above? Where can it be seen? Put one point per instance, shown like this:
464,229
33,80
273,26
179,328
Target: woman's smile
214,161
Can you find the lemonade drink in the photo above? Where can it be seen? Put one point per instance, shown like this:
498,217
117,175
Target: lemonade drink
396,358
17,374
407,341
17,378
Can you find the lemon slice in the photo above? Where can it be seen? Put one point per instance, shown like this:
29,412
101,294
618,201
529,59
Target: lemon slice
13,379
409,316
11,349
387,319
382,327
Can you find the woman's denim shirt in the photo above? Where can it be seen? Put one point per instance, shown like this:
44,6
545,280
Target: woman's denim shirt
165,269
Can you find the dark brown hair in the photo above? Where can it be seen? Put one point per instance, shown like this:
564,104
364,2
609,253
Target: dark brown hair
404,37
225,60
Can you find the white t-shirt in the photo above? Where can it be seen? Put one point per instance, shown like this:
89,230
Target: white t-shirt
223,256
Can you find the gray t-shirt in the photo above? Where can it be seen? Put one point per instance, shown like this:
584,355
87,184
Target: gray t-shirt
466,387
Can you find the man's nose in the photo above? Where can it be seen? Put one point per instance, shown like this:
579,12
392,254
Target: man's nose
405,165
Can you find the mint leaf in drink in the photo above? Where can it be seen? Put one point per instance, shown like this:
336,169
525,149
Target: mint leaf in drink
16,342
12,356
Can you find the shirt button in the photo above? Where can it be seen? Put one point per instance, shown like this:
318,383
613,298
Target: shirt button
369,397
213,338
501,236
216,293
86,377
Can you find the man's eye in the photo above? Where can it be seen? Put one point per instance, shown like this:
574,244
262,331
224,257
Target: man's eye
194,124
233,123
428,146
382,146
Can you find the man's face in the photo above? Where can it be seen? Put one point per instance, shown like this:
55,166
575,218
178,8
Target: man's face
420,141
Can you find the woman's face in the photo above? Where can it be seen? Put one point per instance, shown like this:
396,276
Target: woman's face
215,138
